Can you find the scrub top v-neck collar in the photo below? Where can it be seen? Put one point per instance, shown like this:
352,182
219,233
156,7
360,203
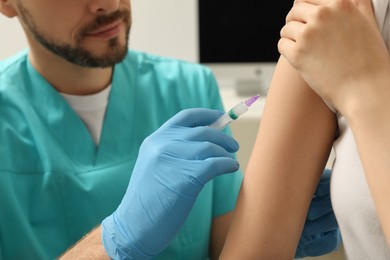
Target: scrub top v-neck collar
66,127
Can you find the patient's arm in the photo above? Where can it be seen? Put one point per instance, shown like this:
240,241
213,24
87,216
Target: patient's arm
293,144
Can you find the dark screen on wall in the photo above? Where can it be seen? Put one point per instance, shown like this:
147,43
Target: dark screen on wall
240,31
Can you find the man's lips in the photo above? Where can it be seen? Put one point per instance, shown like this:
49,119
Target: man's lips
109,30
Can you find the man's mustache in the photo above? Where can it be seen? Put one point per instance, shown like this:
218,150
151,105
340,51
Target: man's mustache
104,20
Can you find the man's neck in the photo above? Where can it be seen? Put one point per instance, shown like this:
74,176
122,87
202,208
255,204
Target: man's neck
67,77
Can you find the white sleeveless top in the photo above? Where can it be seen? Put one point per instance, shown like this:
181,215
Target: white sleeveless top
353,204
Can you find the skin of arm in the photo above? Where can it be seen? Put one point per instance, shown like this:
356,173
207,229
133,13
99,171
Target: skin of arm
91,246
219,231
292,146
358,61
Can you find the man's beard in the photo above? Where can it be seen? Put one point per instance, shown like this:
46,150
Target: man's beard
77,54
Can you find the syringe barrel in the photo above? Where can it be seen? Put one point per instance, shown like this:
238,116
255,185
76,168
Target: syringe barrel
238,110
221,122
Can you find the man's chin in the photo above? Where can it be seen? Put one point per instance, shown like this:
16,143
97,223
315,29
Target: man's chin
101,59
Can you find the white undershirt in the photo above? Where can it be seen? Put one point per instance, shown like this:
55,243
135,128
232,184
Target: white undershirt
91,109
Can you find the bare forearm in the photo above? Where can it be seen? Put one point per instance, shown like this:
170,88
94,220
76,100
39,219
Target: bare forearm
369,119
89,247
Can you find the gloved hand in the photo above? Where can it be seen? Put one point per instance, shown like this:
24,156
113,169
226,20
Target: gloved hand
321,233
173,165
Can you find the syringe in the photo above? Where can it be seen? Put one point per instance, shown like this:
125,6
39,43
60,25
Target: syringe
234,113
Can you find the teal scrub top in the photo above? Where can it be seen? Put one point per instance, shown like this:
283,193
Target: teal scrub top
56,185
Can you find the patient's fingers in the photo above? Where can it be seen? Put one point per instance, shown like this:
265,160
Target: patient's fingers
288,49
363,5
300,12
291,30
314,2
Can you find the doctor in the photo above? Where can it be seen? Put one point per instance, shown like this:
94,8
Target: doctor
81,114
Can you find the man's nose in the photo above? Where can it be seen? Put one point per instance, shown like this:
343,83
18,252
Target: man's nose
103,6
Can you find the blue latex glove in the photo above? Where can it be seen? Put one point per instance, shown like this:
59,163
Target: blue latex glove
321,234
173,165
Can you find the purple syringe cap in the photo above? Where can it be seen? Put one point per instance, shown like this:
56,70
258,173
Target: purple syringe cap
252,100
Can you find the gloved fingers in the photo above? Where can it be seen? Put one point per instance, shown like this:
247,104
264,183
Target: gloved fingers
195,150
176,141
193,175
213,167
207,134
326,243
193,117
319,206
326,223
323,187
